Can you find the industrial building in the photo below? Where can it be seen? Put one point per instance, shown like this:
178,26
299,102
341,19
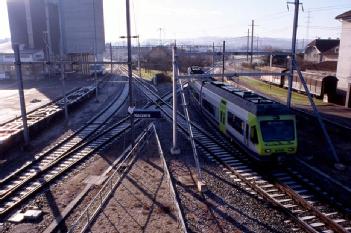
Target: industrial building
35,25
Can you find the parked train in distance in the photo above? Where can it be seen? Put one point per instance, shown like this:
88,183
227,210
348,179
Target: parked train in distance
265,129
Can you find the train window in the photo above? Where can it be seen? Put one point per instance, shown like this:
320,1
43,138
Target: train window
247,132
278,130
208,106
235,122
196,95
253,135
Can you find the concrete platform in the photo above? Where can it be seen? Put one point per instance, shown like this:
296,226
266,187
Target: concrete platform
37,93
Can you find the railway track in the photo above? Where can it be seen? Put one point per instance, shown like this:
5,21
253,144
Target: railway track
48,165
284,189
125,163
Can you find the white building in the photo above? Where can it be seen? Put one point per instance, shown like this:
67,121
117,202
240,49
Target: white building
344,62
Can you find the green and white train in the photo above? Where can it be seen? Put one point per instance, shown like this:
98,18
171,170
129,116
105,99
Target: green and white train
264,128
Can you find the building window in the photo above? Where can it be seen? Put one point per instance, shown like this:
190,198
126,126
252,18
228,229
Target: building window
235,122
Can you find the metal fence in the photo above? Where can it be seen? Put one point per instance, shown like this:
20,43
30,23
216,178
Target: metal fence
171,185
83,222
88,215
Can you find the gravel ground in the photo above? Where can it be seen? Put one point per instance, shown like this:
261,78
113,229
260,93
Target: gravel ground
142,202
225,206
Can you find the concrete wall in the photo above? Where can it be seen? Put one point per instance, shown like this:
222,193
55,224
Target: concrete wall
344,61
28,22
37,11
79,31
17,20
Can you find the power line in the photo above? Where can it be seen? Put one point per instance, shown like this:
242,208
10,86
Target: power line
308,22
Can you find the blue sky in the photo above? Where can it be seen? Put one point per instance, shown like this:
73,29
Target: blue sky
228,18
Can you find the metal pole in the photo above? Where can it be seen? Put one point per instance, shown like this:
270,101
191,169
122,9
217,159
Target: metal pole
191,137
174,150
21,94
223,62
252,34
213,56
48,29
293,52
337,165
247,45
139,65
62,67
111,57
95,57
130,76
270,60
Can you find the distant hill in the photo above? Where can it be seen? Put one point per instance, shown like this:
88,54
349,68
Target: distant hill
234,42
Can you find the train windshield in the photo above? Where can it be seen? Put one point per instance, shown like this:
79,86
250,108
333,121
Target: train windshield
278,130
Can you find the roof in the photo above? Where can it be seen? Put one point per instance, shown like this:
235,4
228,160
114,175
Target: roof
247,100
323,45
344,16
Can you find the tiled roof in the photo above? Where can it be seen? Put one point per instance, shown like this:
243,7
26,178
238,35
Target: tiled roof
345,15
324,45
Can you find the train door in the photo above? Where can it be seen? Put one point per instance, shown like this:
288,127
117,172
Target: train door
246,138
222,115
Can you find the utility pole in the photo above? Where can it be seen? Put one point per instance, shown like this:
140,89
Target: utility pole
293,50
174,150
252,35
48,30
307,27
111,57
160,29
223,62
21,94
213,56
139,65
95,58
130,75
247,44
62,66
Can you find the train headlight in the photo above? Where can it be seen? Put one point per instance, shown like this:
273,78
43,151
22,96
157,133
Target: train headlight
268,150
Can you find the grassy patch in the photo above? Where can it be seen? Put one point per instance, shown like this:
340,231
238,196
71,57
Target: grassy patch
150,74
275,92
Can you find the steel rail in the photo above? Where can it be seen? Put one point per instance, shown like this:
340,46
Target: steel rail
18,201
53,171
90,213
171,184
332,224
74,148
64,141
